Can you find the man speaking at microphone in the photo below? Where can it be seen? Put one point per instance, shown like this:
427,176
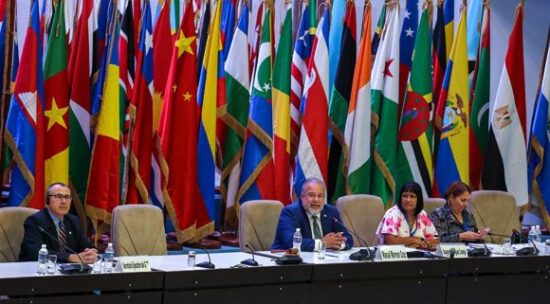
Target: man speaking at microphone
57,229
317,221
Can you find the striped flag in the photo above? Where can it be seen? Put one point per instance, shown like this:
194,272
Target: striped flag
25,123
384,103
506,159
338,14
378,31
452,161
449,24
312,156
339,106
414,153
358,160
406,41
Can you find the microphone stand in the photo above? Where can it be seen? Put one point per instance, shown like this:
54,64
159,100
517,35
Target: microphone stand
206,264
69,269
252,261
363,254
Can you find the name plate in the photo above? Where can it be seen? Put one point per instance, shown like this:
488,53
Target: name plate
133,264
391,253
459,249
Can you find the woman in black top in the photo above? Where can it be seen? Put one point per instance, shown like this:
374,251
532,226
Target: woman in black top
453,222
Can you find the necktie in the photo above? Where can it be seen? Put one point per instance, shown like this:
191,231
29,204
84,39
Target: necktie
62,236
316,230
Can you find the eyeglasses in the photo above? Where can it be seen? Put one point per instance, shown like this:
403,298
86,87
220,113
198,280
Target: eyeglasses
61,196
313,195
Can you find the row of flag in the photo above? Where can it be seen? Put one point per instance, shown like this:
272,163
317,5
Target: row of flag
127,110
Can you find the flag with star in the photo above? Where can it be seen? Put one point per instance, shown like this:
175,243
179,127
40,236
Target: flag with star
384,103
257,173
452,161
178,129
414,153
339,106
406,41
25,123
141,149
56,88
237,76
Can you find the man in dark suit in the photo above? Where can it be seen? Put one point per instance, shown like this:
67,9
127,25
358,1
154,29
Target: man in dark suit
315,219
55,221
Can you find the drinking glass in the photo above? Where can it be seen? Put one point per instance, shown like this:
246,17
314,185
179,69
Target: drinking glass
506,246
322,250
52,263
98,263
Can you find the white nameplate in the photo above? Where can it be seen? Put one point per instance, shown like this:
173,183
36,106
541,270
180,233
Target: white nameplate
445,249
133,264
391,253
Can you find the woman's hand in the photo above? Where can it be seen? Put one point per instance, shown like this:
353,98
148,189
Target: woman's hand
469,236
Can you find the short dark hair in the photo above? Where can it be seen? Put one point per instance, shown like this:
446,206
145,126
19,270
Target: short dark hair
50,188
414,188
456,189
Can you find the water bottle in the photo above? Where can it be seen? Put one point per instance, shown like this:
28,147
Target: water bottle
42,260
538,234
297,240
532,234
108,258
191,259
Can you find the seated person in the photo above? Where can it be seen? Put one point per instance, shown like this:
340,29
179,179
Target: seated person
406,223
453,222
56,221
315,219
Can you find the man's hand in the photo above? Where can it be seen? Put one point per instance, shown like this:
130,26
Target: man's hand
334,240
87,256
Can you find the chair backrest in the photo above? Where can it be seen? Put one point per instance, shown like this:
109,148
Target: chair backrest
258,224
12,231
361,213
432,203
496,210
138,230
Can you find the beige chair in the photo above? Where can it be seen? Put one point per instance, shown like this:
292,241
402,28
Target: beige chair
258,224
12,231
432,203
496,210
362,214
138,230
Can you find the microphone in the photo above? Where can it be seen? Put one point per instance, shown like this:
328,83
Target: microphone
480,252
515,238
528,250
362,254
452,253
252,261
71,268
206,264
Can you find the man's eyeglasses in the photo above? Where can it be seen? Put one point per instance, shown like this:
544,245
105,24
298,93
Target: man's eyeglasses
313,195
61,196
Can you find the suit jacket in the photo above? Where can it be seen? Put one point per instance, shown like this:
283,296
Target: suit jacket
294,216
34,238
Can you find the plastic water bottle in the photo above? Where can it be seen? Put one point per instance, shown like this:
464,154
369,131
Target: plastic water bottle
42,260
108,258
532,234
297,240
538,234
191,259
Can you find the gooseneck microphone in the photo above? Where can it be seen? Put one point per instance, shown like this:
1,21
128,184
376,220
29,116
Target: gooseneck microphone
71,268
252,261
206,264
479,252
363,254
526,251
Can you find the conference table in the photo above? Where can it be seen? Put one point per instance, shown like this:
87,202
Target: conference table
496,279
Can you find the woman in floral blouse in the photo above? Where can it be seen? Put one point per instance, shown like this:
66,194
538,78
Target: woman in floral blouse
453,221
406,223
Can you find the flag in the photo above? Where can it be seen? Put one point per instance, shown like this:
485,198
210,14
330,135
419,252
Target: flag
103,193
479,117
312,156
358,160
449,24
505,165
474,26
539,156
406,41
339,105
139,181
257,173
452,162
414,153
203,35
378,31
384,103
178,129
237,78
281,111
338,14
56,89
298,73
207,97
439,66
25,123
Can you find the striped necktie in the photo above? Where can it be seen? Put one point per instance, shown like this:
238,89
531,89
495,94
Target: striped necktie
62,236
